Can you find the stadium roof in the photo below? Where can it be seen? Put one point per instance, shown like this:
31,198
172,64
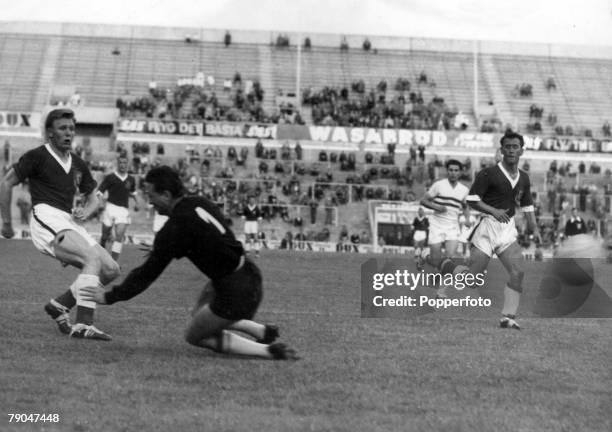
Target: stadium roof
549,21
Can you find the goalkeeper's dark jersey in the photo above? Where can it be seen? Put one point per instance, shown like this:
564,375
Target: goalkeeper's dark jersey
195,230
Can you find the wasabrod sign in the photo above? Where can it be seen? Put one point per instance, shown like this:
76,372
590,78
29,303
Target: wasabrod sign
369,138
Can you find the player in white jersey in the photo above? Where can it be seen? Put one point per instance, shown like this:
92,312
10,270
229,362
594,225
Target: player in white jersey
446,198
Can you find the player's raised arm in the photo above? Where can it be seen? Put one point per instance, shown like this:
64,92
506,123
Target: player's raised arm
6,196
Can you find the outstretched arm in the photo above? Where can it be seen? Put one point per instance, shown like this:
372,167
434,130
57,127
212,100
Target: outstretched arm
6,196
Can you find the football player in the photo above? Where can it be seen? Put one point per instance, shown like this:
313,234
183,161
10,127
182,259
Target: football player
446,198
497,193
116,190
56,175
197,230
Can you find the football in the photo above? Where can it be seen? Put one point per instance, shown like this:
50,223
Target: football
572,262
581,246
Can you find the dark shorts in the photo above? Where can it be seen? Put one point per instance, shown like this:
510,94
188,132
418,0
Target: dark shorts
236,296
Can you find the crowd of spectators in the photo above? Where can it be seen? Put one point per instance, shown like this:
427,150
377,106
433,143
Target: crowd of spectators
523,90
239,100
341,106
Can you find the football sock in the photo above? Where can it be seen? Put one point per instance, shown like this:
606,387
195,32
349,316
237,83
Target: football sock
85,309
104,237
66,300
511,301
231,343
59,309
249,327
116,250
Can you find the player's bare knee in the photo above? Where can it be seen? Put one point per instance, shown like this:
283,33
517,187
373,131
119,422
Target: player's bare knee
110,270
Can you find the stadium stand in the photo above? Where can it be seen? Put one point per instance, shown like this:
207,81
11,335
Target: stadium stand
252,79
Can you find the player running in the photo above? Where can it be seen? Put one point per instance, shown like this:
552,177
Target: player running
56,175
497,192
446,198
116,190
196,230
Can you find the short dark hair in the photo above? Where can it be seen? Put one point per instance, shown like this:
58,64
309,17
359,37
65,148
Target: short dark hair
164,178
511,135
59,113
454,162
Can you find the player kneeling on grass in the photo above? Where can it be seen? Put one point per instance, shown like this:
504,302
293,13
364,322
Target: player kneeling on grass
196,230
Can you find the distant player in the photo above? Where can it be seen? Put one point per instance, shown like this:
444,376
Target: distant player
55,176
116,190
261,239
497,192
466,222
420,225
196,230
252,215
446,198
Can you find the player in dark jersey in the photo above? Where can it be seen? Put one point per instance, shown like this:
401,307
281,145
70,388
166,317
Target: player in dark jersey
420,225
196,230
56,176
116,190
252,215
497,192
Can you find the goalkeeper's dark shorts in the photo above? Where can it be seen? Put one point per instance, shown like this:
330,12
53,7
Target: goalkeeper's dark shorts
235,296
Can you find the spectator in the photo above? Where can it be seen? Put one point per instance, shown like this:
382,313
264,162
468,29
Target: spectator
7,151
422,77
575,225
607,132
298,151
344,46
287,241
421,150
307,44
367,44
313,204
298,222
343,236
227,39
550,84
330,203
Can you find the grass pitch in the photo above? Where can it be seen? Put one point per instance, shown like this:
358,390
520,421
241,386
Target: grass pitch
441,371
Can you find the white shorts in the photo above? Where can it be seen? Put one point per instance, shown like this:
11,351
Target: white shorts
158,222
493,237
251,227
419,236
114,214
440,232
47,222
